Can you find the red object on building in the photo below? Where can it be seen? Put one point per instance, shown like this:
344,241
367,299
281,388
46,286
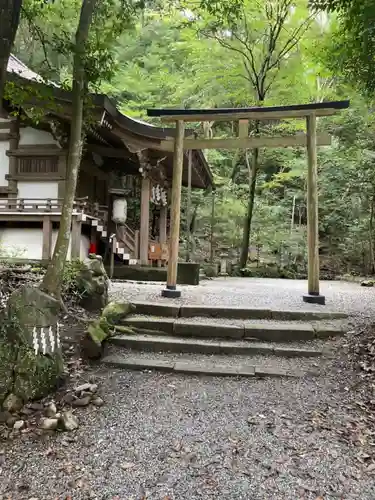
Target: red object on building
92,248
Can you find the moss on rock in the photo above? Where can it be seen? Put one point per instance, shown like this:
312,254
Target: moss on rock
93,282
24,372
36,375
7,358
116,311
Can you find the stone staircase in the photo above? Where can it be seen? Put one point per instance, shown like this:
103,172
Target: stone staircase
126,245
224,341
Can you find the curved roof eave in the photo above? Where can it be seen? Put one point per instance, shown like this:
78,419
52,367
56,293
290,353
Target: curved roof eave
135,126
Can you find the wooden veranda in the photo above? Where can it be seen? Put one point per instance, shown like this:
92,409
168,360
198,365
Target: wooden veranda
179,143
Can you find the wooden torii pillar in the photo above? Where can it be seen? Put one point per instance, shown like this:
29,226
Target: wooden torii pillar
242,115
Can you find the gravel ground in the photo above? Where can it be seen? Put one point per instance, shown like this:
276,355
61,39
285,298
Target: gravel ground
252,292
175,437
164,436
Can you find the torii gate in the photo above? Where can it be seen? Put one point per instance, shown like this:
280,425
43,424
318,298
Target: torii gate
242,115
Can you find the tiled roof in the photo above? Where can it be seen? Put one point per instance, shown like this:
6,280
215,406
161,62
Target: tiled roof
18,67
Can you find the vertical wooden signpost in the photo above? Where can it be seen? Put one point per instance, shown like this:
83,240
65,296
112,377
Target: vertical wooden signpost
242,115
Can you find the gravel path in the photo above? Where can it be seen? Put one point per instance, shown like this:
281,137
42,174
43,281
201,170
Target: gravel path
173,437
176,437
252,292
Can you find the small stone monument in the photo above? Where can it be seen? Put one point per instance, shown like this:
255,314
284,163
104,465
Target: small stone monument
94,282
30,355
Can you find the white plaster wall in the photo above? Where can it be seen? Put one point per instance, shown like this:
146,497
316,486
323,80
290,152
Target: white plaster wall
27,243
23,243
28,136
33,136
33,189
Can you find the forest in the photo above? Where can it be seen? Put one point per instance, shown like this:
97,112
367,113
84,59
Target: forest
238,54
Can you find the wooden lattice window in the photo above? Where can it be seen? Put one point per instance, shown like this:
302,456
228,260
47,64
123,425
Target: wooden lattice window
38,165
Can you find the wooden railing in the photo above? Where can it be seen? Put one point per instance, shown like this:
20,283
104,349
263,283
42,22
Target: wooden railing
30,205
129,238
45,205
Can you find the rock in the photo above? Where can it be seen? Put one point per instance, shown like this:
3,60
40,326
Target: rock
49,424
68,398
26,411
116,311
368,283
18,425
91,344
36,406
87,388
8,355
26,375
11,421
97,401
51,410
68,421
82,401
92,279
12,403
4,416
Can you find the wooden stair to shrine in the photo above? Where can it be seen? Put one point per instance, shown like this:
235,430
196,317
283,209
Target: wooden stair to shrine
225,341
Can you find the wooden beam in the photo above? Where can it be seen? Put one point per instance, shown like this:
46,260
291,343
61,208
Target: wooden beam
76,238
107,152
39,151
312,209
163,224
243,129
5,125
145,221
249,142
178,165
13,161
47,238
251,115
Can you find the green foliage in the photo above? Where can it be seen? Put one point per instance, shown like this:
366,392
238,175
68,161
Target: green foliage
351,49
70,289
179,57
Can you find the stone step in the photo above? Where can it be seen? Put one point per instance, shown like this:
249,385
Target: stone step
174,310
203,365
157,343
272,331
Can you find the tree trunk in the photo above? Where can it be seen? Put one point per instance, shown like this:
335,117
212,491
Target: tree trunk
250,209
10,17
52,279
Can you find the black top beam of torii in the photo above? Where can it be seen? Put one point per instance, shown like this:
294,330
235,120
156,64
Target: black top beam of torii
298,110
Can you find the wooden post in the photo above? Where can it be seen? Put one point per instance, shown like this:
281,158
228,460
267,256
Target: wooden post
313,295
163,230
163,224
112,246
47,238
212,253
178,164
188,206
136,244
145,221
76,238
